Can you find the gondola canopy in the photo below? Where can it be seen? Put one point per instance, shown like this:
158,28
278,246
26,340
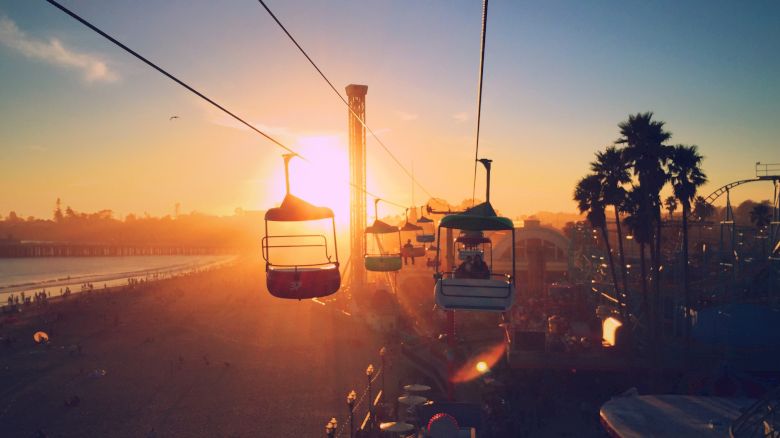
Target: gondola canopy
481,217
411,227
379,227
295,209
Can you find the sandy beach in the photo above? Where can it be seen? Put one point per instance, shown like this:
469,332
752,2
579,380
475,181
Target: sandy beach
205,355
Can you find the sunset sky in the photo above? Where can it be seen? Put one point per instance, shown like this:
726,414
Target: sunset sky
82,120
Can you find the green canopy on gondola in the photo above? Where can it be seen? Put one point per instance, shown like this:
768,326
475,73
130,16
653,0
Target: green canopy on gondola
480,217
424,220
294,209
379,227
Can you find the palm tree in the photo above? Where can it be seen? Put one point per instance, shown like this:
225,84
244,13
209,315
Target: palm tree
702,209
589,196
645,150
686,176
761,215
639,223
671,205
613,172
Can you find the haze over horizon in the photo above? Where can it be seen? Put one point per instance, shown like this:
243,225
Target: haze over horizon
83,121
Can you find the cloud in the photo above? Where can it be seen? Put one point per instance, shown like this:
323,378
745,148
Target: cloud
461,117
407,116
54,52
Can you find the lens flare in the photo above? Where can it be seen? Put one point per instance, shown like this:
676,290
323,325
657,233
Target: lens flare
480,364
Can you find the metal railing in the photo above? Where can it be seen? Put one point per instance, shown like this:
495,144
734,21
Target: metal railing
762,419
767,170
354,403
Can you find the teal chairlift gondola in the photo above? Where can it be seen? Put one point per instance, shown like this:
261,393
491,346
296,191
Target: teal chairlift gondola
382,251
473,244
427,229
481,288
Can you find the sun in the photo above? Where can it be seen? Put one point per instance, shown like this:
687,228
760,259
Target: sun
322,178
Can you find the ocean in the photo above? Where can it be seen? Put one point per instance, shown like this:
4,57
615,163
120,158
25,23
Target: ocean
53,273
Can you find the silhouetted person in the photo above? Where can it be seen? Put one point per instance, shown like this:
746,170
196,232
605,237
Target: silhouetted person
480,268
408,252
465,269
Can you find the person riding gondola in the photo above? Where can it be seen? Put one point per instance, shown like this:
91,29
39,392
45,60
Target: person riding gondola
465,269
479,268
408,252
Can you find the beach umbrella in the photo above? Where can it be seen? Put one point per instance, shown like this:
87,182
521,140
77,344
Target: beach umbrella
40,337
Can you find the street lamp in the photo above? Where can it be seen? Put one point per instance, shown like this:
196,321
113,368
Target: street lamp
330,428
382,353
351,397
370,375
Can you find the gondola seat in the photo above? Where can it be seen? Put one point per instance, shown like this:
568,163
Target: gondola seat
383,263
487,295
303,282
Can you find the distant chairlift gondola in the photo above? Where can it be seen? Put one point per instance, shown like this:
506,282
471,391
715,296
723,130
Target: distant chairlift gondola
427,229
473,244
300,281
408,232
476,289
382,251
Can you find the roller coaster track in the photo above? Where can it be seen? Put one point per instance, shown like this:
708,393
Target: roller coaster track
717,193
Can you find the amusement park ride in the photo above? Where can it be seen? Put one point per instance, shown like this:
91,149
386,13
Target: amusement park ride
382,252
471,288
728,228
409,231
298,281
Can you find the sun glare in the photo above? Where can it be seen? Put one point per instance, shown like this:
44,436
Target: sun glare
322,179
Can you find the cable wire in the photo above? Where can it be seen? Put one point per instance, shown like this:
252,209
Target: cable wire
194,91
341,97
170,76
479,95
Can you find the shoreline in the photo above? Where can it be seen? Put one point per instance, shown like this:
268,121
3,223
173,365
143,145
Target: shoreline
109,280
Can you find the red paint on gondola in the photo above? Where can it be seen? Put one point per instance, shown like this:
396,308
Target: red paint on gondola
303,283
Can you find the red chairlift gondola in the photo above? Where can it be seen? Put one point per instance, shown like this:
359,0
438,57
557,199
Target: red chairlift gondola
320,277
